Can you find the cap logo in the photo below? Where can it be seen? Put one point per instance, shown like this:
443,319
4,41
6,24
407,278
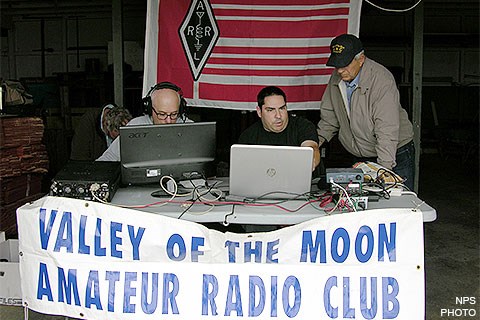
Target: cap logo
337,48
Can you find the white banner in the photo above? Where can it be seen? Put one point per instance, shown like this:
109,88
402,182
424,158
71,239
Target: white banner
89,260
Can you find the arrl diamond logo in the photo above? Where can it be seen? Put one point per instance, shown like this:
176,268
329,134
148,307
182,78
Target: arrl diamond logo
199,33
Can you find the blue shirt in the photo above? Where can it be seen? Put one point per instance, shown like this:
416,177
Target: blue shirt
351,86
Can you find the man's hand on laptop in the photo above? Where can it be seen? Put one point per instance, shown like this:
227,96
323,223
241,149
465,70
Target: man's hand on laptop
316,152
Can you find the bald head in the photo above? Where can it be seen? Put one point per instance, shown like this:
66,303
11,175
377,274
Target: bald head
165,102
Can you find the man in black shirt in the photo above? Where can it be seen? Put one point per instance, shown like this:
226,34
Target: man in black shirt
277,128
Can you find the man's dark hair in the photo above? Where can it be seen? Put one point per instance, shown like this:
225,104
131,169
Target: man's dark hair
269,91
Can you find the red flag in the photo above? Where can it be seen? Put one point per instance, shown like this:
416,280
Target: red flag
222,52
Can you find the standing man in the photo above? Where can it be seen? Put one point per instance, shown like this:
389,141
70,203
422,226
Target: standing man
164,104
277,128
96,130
362,105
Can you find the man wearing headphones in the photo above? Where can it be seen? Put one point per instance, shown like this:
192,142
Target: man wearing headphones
164,104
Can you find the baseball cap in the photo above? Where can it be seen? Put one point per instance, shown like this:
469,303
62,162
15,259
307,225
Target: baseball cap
343,49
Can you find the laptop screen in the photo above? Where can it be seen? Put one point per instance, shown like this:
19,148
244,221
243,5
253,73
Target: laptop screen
181,150
261,171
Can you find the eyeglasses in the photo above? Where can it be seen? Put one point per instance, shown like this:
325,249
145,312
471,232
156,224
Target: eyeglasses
163,116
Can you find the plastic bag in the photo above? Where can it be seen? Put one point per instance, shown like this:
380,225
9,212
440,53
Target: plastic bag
15,93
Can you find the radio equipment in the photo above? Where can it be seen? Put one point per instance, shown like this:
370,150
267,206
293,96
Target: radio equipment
349,178
87,180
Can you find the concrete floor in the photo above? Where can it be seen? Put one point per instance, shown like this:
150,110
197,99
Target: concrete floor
451,242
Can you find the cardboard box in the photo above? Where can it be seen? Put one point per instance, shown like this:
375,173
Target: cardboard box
9,251
10,290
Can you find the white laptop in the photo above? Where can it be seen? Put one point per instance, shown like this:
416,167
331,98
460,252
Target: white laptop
271,172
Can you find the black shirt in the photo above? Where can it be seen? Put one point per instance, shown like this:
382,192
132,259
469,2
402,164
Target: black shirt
297,131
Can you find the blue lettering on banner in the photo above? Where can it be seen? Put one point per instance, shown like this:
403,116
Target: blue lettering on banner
254,284
129,292
177,243
257,291
368,313
82,246
64,237
93,298
390,289
45,231
274,297
291,283
231,249
65,229
272,250
147,307
68,286
348,312
340,233
234,297
135,240
99,251
362,233
259,298
256,250
170,291
43,285
196,243
388,242
314,246
115,240
209,293
309,246
390,296
112,277
331,311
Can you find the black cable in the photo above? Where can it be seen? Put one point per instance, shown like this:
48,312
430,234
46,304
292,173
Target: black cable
297,196
191,204
197,198
382,193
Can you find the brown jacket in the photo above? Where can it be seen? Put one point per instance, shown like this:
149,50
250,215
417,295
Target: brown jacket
377,124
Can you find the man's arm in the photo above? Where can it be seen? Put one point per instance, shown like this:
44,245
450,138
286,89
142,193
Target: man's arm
112,153
386,113
321,140
328,125
307,137
316,151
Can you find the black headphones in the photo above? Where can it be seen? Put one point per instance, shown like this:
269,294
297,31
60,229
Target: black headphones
147,101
